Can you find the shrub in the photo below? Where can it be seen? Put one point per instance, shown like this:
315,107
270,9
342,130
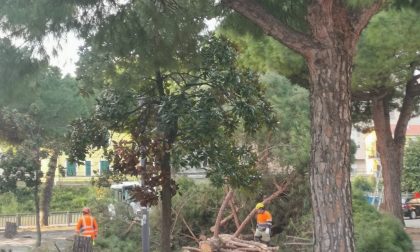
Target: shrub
365,184
375,232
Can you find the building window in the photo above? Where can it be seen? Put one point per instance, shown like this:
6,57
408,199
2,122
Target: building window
70,169
88,168
103,166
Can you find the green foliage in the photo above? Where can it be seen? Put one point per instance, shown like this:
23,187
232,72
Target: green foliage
364,184
289,142
84,135
376,232
201,107
387,62
19,71
385,65
359,3
58,102
406,4
19,201
15,127
267,55
410,180
66,198
20,165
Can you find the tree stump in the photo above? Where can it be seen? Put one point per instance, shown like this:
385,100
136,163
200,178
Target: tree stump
11,230
82,244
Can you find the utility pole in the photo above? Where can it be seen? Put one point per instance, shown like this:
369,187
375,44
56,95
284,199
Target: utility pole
145,230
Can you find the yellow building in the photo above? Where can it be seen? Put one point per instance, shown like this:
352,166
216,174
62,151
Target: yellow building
95,164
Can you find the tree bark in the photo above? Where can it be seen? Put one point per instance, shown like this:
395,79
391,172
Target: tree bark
49,184
330,72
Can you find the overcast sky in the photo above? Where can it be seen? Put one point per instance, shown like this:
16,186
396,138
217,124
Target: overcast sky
67,55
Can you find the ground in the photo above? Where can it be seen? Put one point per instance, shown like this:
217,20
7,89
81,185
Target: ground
61,239
53,239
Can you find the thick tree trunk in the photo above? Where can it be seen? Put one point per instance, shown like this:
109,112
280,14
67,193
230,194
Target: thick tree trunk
330,72
49,184
391,162
391,156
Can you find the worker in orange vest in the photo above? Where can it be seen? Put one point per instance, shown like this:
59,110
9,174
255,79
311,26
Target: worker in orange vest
87,226
264,222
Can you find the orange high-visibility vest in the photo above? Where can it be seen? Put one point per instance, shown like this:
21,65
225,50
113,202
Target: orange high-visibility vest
87,226
264,219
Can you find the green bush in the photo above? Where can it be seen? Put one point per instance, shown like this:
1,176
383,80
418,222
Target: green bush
375,232
365,184
71,198
21,201
64,198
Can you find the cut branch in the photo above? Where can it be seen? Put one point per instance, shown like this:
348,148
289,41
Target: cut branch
228,197
234,211
280,189
189,229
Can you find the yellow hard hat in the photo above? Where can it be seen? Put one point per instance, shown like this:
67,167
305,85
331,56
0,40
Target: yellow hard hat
259,205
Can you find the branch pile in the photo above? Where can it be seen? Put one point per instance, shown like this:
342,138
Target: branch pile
226,242
231,242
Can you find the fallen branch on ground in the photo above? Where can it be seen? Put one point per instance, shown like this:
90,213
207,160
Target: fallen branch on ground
226,242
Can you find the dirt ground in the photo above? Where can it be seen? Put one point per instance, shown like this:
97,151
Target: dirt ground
60,239
57,239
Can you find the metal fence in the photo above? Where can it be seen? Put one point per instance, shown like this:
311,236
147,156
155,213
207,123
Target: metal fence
28,220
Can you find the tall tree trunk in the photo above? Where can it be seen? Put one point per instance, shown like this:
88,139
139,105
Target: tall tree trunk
171,129
391,146
49,184
330,72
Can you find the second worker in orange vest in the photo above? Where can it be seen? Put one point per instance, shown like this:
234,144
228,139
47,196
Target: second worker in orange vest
87,226
264,222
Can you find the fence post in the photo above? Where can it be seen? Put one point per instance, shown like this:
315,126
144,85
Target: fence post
11,230
18,220
69,219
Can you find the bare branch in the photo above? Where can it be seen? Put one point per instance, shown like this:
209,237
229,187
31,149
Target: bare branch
234,211
280,189
229,195
189,229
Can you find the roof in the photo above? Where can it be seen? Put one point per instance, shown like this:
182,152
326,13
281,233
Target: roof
125,184
412,130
